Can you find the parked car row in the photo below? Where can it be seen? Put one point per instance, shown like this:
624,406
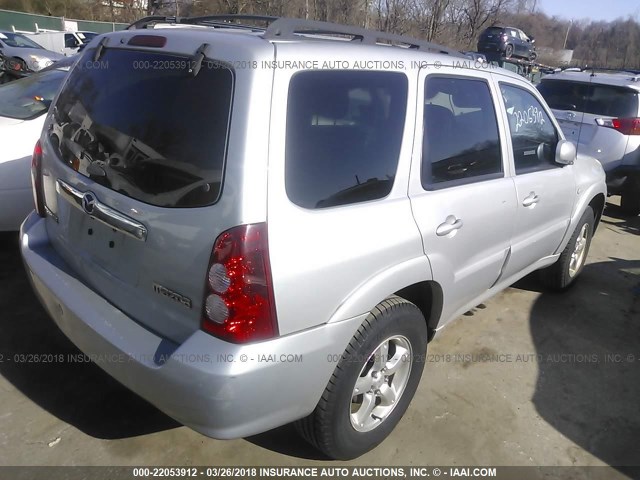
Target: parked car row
599,111
22,54
169,238
23,107
337,215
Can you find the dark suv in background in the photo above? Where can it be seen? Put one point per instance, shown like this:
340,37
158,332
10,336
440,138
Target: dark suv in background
507,41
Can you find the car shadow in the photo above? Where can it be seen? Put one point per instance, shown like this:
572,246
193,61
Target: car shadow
621,220
77,392
286,441
588,346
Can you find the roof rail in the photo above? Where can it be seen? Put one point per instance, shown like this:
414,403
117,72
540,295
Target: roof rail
279,28
296,29
604,70
146,21
220,21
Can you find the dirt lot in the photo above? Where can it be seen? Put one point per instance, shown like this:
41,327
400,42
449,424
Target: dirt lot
532,378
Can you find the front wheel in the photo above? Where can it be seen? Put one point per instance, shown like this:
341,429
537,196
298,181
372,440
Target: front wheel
562,274
372,384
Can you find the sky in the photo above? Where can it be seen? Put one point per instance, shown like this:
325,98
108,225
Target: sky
594,9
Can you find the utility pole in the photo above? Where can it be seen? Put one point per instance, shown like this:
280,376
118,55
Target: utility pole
567,36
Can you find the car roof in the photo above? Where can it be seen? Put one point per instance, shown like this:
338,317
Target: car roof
501,27
613,78
323,45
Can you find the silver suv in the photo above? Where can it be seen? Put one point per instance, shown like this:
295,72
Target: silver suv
255,226
599,111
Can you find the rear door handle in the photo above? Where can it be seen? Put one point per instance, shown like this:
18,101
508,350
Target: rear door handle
532,199
451,223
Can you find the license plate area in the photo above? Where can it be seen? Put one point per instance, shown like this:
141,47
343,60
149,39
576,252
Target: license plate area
100,248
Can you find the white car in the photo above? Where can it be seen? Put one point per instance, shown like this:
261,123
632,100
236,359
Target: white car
23,107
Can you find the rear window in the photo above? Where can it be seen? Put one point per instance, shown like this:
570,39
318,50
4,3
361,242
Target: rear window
596,99
344,131
493,31
157,135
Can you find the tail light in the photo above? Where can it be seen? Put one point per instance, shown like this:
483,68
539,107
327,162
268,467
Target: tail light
239,306
36,180
626,126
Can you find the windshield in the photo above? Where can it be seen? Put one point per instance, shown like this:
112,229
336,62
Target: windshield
156,135
87,36
30,97
17,40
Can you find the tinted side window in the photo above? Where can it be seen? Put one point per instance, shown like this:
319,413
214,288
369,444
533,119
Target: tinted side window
604,100
564,95
460,139
533,136
344,132
611,101
70,41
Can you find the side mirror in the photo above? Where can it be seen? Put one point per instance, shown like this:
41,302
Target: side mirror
566,152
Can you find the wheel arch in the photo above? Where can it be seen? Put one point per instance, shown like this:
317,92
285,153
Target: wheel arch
410,280
429,298
597,205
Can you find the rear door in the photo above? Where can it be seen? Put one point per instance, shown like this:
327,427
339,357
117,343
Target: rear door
463,200
546,190
142,172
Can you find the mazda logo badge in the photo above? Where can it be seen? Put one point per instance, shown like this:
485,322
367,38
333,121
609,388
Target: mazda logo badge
88,202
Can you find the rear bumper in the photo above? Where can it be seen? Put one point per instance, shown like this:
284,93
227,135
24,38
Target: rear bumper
491,47
219,389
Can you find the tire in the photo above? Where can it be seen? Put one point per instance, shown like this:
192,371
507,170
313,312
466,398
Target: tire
630,202
562,274
338,426
533,56
508,51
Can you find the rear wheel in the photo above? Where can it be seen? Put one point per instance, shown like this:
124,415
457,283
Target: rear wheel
630,202
372,384
508,51
533,56
564,272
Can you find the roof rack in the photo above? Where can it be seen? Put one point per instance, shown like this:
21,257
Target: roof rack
280,28
603,70
219,21
295,29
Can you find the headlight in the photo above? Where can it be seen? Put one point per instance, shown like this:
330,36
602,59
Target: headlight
36,63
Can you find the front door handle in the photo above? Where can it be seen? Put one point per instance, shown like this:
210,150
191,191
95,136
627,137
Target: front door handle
451,223
531,199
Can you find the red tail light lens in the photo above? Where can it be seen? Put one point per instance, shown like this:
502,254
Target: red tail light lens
627,126
148,41
36,180
239,306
